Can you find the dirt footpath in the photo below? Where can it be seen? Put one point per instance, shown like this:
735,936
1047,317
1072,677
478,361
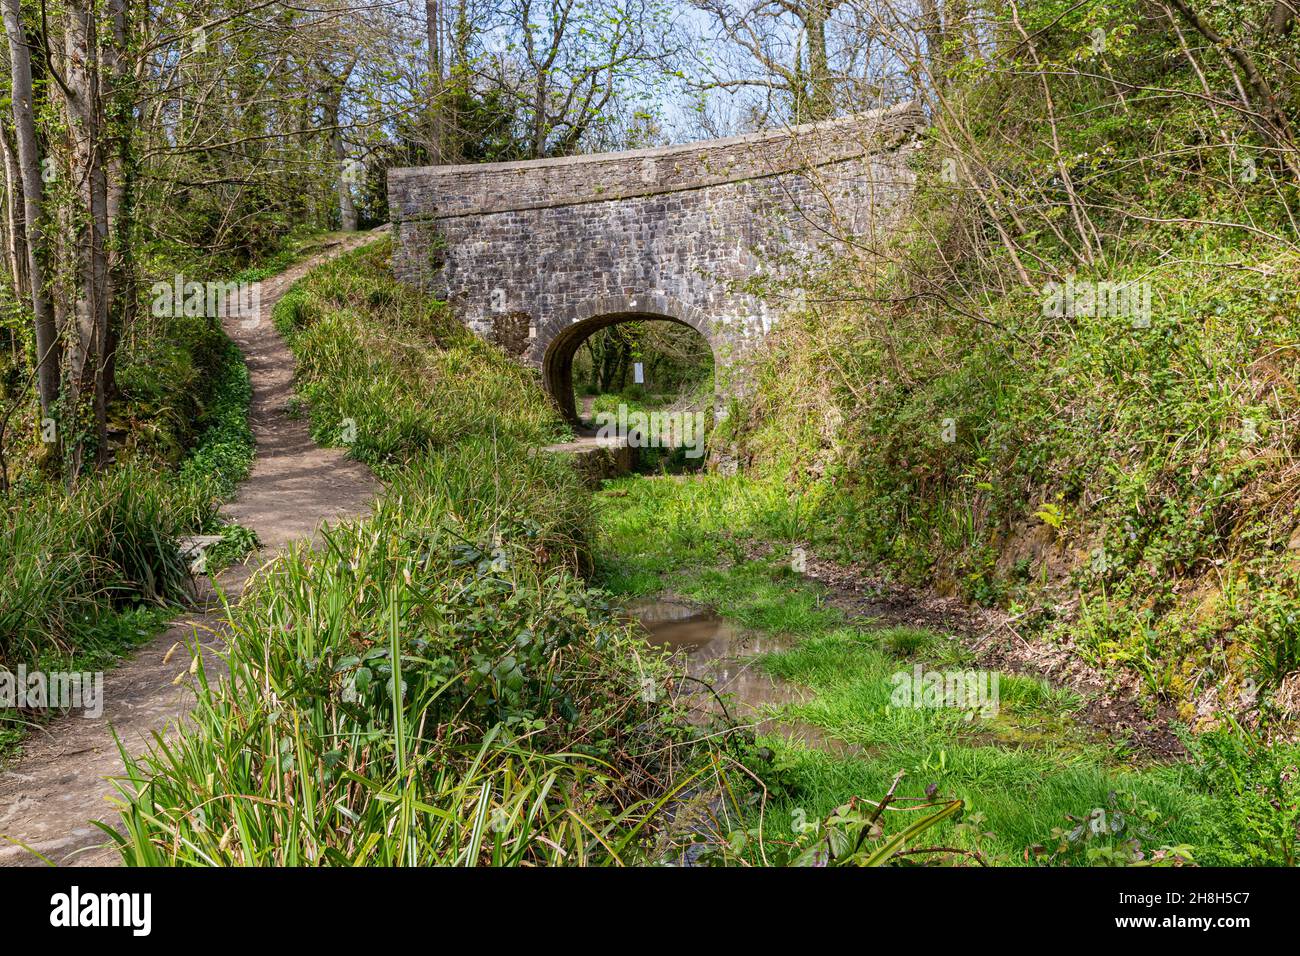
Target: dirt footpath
64,778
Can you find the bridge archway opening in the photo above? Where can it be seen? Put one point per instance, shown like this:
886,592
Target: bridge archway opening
647,361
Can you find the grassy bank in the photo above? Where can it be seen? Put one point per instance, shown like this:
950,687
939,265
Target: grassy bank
1131,488
436,684
1033,776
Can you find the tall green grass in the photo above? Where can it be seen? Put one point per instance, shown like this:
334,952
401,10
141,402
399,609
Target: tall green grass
66,556
407,697
69,559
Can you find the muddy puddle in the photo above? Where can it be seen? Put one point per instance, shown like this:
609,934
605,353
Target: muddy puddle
726,657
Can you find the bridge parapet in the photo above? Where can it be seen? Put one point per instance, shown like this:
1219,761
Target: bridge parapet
481,188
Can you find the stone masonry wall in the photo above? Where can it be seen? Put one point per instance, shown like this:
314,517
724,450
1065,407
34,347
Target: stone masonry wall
525,251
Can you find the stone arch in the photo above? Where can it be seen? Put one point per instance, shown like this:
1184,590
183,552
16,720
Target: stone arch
557,344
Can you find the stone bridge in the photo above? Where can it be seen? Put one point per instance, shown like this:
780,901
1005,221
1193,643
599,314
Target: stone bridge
538,255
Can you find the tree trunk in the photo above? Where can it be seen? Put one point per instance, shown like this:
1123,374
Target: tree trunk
85,126
821,96
334,90
932,25
121,194
347,207
48,354
437,122
15,225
